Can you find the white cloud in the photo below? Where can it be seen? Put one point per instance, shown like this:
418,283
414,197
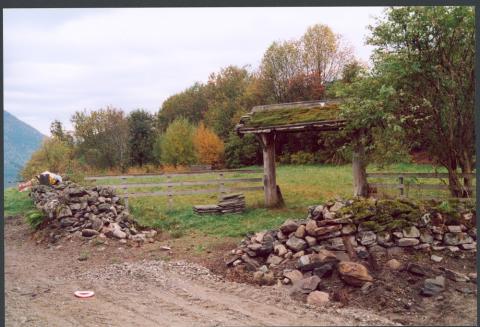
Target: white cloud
57,61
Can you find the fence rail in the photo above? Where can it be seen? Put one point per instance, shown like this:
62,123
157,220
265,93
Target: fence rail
170,192
246,171
402,186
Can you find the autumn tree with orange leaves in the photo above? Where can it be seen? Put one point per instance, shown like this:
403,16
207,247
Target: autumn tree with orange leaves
208,146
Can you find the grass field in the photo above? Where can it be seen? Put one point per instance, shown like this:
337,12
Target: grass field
301,186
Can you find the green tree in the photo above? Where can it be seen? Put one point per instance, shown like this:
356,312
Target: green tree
227,99
191,104
242,151
426,55
141,136
58,132
177,146
102,138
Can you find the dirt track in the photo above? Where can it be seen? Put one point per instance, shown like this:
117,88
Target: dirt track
40,282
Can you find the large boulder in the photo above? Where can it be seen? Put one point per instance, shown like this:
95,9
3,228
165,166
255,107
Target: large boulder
353,273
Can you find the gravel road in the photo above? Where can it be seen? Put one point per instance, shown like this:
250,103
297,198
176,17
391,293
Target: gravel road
40,282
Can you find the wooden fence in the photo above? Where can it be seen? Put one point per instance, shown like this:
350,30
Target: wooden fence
222,184
403,185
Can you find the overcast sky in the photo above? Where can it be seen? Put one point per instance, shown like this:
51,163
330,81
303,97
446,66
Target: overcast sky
58,61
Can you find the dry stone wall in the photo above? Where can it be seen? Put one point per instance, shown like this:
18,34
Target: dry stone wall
317,243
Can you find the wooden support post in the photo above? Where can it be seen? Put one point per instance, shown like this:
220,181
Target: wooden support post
359,171
170,193
269,175
402,189
221,186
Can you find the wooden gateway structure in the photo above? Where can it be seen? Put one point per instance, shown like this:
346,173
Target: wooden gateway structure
265,122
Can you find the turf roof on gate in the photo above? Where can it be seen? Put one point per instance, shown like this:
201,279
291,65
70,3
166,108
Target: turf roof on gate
286,116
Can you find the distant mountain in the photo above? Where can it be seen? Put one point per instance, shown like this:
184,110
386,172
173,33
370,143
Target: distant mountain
19,142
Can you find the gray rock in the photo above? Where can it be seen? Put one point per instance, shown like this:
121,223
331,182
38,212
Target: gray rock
385,239
65,222
63,211
75,206
367,237
436,258
306,285
293,275
456,276
296,244
469,246
425,220
311,227
349,229
104,207
317,212
288,227
398,234
426,237
329,235
335,243
311,241
457,238
97,223
407,241
89,232
433,286
473,233
280,250
274,260
454,229
337,206
118,233
411,232
325,270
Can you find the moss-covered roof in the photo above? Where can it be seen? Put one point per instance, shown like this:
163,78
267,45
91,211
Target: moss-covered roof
293,116
290,114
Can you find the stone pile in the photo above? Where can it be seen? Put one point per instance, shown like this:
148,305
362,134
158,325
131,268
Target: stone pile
229,203
337,233
86,211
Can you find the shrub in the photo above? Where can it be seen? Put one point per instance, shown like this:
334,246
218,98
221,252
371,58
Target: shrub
34,218
301,158
54,155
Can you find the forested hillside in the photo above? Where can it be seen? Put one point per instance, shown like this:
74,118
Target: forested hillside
20,140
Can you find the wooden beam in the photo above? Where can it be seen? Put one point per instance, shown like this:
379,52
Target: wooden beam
269,175
360,186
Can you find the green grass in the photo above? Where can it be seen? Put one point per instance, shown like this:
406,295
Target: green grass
19,203
293,115
301,186
16,203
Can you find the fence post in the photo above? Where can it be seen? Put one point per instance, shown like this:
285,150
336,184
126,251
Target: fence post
170,192
402,186
126,202
221,185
